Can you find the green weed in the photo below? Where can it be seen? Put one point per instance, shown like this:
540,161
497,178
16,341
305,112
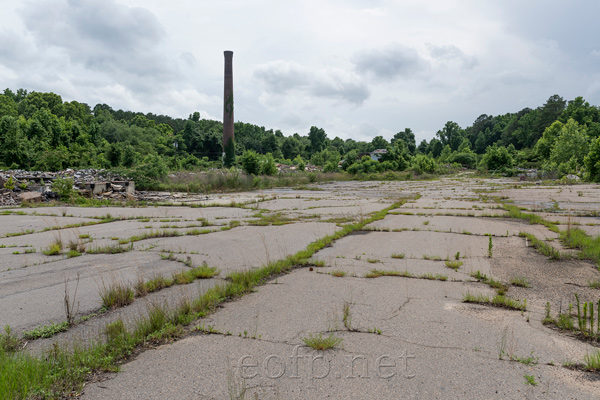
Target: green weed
592,361
520,281
115,294
318,342
46,331
497,301
454,264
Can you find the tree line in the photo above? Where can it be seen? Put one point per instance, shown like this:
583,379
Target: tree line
39,131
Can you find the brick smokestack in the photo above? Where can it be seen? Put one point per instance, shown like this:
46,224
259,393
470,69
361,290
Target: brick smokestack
228,139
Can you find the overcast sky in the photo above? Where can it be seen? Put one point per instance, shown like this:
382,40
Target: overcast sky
358,69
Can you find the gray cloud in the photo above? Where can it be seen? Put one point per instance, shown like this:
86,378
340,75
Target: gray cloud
280,77
451,53
103,36
391,62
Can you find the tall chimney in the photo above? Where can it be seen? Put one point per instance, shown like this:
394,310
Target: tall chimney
228,138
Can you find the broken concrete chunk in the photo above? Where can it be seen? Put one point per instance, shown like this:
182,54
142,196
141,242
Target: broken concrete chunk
31,197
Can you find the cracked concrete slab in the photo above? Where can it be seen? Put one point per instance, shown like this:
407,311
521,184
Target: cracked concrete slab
417,337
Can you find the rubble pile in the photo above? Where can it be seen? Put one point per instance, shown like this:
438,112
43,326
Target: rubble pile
284,168
18,186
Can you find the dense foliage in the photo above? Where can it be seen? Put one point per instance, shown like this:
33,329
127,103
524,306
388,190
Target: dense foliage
38,131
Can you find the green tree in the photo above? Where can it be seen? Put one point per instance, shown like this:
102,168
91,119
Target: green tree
130,155
408,137
290,147
581,111
592,161
13,143
318,139
378,142
451,135
544,146
570,148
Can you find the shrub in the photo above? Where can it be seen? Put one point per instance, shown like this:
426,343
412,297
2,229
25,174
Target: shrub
251,162
422,163
497,158
268,166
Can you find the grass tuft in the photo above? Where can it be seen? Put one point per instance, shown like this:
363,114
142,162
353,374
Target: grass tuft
455,264
318,342
592,361
520,281
496,301
54,249
115,294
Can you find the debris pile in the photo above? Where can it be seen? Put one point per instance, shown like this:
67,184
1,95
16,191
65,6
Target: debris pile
18,186
284,168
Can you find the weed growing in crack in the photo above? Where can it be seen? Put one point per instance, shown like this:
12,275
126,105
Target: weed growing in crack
338,273
496,301
592,361
318,342
9,342
347,316
115,294
530,380
54,249
433,277
520,281
594,284
454,264
543,247
491,282
46,331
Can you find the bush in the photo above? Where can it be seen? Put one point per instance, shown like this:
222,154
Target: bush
251,162
10,183
268,165
468,160
330,167
422,163
64,188
497,158
300,163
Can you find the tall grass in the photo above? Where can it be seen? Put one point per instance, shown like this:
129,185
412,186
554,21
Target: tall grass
588,246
